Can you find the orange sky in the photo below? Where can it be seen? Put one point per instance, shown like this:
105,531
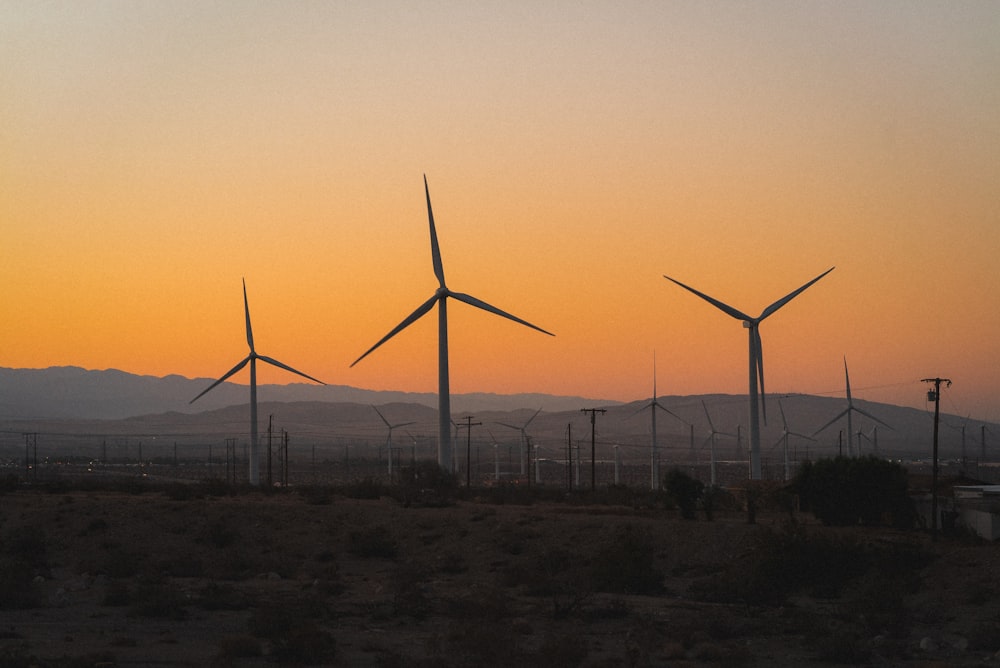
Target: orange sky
152,155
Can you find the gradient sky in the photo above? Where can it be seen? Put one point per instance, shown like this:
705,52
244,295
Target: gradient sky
154,153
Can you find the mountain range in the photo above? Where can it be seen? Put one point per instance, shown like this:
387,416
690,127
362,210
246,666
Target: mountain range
77,407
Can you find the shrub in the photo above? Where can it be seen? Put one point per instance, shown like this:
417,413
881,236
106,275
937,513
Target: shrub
426,484
846,491
372,542
18,590
685,491
626,564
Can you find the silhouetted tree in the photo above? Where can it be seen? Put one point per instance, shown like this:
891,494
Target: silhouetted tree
685,491
845,491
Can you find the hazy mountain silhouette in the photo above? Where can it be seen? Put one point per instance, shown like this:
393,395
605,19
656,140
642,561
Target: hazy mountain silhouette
73,393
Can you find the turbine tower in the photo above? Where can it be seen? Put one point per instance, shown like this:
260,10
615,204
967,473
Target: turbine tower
654,468
756,360
388,439
524,436
440,298
851,408
252,358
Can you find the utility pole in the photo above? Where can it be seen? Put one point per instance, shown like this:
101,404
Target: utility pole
231,460
270,425
935,396
31,455
284,461
569,456
469,424
593,443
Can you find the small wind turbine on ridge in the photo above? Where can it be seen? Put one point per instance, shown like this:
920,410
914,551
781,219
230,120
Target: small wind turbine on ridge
388,439
252,358
713,433
523,429
440,299
783,440
756,360
851,408
654,469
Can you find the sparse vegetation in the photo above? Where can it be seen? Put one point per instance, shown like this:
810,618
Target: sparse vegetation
456,578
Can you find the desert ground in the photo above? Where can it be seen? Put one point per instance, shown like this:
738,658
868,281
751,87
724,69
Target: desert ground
141,573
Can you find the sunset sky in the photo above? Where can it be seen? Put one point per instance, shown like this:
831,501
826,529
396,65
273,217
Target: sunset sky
153,154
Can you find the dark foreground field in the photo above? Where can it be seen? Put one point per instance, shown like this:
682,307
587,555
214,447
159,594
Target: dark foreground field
192,575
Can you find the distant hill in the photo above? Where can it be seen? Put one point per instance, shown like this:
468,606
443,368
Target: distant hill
73,393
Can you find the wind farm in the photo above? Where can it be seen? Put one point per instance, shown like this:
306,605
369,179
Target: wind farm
467,491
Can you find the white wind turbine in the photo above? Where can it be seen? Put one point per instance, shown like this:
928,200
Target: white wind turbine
252,360
851,408
785,433
440,298
523,429
654,461
756,360
713,433
388,438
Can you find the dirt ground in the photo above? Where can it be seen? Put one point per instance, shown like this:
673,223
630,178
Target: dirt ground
185,576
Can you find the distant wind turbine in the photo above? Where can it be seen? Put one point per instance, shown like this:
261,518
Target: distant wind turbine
388,438
252,359
756,360
851,408
654,472
785,433
440,298
523,442
713,433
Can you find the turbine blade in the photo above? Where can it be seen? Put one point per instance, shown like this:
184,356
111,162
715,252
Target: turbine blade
784,422
759,354
410,319
282,365
509,426
839,415
668,411
246,312
725,308
871,417
808,438
847,381
383,418
708,417
223,378
435,248
790,296
532,418
478,303
402,424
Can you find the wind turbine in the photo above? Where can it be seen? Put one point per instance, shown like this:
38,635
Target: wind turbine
654,461
713,432
388,439
496,456
847,411
252,360
524,435
756,360
440,298
785,433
